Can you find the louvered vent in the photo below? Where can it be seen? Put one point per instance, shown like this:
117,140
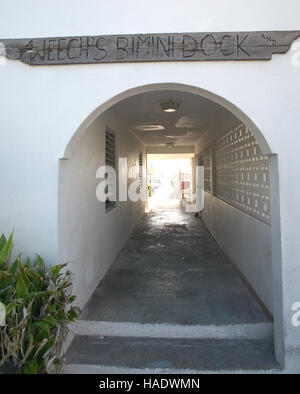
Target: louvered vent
140,170
110,161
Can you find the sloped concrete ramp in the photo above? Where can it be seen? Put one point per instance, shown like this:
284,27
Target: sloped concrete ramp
172,302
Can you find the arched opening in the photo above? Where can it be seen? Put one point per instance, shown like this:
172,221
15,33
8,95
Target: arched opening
241,205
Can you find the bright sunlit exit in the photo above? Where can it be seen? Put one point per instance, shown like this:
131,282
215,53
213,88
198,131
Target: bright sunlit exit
170,180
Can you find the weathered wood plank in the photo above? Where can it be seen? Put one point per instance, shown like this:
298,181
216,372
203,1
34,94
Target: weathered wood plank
150,47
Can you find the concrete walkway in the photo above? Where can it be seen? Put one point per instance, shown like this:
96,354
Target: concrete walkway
172,303
172,271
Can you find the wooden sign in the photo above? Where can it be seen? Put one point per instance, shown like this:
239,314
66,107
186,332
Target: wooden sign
150,47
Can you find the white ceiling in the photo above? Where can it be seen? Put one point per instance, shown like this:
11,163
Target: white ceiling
195,116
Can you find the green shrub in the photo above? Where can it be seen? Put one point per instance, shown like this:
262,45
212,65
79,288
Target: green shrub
39,309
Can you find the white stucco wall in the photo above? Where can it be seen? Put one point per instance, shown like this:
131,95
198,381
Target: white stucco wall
42,107
89,237
247,242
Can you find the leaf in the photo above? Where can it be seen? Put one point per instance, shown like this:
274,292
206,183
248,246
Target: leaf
41,335
27,263
29,346
50,320
10,307
47,347
6,250
73,314
31,367
14,267
6,293
39,262
43,325
21,287
52,308
35,278
3,241
6,279
56,271
23,271
41,346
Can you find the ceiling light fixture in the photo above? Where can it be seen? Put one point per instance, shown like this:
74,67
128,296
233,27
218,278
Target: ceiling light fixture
149,127
169,106
170,145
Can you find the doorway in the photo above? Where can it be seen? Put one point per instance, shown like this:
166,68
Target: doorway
170,180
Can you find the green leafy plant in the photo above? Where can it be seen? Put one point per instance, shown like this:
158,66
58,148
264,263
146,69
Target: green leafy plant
39,309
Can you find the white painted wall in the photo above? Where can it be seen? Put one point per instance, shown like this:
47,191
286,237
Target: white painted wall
89,237
42,107
245,239
247,242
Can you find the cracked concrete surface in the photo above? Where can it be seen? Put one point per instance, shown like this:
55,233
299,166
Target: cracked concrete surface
172,271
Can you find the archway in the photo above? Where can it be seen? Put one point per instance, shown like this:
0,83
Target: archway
81,227
171,87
